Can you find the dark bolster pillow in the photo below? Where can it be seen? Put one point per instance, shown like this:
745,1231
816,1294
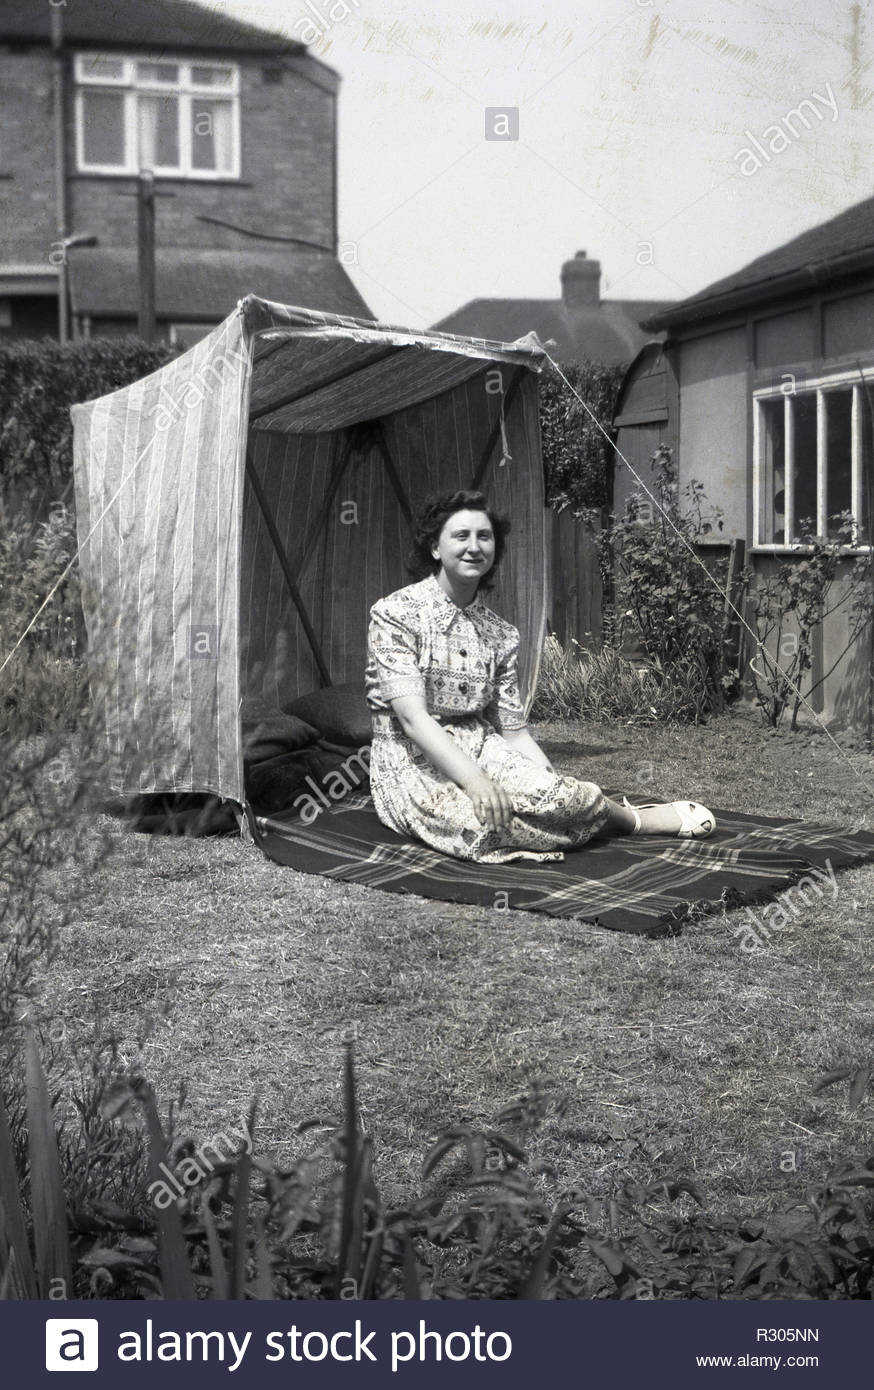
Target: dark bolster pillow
276,733
339,712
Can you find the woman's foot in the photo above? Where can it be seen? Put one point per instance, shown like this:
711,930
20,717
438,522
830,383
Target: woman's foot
685,819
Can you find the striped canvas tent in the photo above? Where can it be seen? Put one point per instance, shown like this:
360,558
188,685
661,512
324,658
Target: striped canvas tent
241,509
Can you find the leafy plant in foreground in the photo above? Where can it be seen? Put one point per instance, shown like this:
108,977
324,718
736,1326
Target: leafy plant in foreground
482,1228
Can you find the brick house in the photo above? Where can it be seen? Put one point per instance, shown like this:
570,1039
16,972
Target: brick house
764,388
239,128
580,323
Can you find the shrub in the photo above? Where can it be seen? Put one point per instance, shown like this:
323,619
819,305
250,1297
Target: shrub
45,787
43,684
605,686
577,459
662,593
787,607
39,381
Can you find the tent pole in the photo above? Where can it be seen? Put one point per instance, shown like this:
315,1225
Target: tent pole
397,485
324,673
485,457
331,493
362,437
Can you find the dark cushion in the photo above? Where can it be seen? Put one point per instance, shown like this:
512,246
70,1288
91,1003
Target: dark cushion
274,734
340,714
318,774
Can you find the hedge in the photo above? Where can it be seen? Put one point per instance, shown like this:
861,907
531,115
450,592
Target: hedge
39,381
577,459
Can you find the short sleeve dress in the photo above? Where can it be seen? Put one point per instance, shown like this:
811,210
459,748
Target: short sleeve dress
463,662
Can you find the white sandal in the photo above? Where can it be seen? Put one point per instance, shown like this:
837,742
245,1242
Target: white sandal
695,820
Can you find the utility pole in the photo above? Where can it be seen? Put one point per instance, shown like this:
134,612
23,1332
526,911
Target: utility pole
59,129
145,194
146,325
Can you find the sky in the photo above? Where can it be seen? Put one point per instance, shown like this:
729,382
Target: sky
633,121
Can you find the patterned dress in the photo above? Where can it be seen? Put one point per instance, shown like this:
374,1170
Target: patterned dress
463,662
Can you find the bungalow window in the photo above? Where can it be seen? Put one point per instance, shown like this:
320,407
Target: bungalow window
813,461
176,118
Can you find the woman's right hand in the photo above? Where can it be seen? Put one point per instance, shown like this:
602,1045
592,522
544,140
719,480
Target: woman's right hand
491,804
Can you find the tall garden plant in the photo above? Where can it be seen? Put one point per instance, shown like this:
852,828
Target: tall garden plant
788,605
665,599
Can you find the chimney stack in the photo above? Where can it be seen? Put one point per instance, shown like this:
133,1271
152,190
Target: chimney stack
581,282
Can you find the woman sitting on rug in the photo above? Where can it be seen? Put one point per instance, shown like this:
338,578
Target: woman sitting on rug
453,762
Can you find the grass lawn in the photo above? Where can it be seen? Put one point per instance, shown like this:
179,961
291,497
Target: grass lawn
216,968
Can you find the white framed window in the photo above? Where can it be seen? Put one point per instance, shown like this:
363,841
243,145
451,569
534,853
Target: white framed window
813,459
179,119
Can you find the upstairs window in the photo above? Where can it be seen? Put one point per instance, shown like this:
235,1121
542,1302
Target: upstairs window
814,460
177,119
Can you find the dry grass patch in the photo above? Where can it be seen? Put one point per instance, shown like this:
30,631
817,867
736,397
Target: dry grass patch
220,970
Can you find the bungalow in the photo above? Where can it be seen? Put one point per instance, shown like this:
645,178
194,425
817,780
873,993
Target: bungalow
764,387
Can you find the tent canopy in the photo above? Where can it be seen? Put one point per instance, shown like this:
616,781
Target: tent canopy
241,509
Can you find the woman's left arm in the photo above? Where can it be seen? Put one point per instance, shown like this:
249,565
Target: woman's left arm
524,743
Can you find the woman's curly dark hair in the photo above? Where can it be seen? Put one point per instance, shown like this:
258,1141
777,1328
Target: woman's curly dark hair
433,516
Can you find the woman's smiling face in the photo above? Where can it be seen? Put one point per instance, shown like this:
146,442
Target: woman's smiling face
466,546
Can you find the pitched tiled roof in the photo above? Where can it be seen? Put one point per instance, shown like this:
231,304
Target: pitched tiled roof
198,284
825,251
609,332
137,23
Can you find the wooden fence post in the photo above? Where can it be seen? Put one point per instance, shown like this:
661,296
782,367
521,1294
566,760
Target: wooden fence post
576,582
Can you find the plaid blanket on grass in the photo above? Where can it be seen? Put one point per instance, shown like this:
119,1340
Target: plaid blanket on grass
646,885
